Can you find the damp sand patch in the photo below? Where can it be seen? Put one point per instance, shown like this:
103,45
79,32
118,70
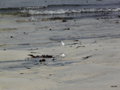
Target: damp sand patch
7,29
22,21
3,45
20,14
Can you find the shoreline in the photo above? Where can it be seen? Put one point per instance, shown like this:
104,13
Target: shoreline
31,53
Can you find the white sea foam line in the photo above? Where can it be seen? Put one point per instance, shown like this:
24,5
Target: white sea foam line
62,11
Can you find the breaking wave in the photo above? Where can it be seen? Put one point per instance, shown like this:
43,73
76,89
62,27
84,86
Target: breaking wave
72,8
69,9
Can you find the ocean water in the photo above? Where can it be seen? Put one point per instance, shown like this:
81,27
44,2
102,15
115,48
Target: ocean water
63,8
26,3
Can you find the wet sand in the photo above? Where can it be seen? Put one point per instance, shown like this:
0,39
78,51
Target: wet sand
91,49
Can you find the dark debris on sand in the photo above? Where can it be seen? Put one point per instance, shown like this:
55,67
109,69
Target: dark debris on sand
41,59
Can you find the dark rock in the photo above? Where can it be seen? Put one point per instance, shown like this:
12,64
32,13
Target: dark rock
50,29
47,56
42,61
118,16
50,74
79,46
87,57
27,67
42,56
53,59
32,56
117,22
67,29
64,20
4,49
76,40
11,37
113,86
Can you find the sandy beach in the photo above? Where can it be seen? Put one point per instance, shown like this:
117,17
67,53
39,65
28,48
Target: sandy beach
91,61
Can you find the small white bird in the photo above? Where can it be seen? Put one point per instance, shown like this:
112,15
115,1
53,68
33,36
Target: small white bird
63,55
63,44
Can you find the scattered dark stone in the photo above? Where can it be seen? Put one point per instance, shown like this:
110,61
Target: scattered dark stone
21,73
44,7
74,43
47,56
97,18
95,42
118,16
50,29
113,86
76,40
25,33
32,56
4,49
50,74
64,20
74,20
11,37
117,22
28,68
42,61
37,56
79,46
42,56
87,57
67,29
53,59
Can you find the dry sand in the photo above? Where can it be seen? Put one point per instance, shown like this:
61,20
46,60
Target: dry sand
92,49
